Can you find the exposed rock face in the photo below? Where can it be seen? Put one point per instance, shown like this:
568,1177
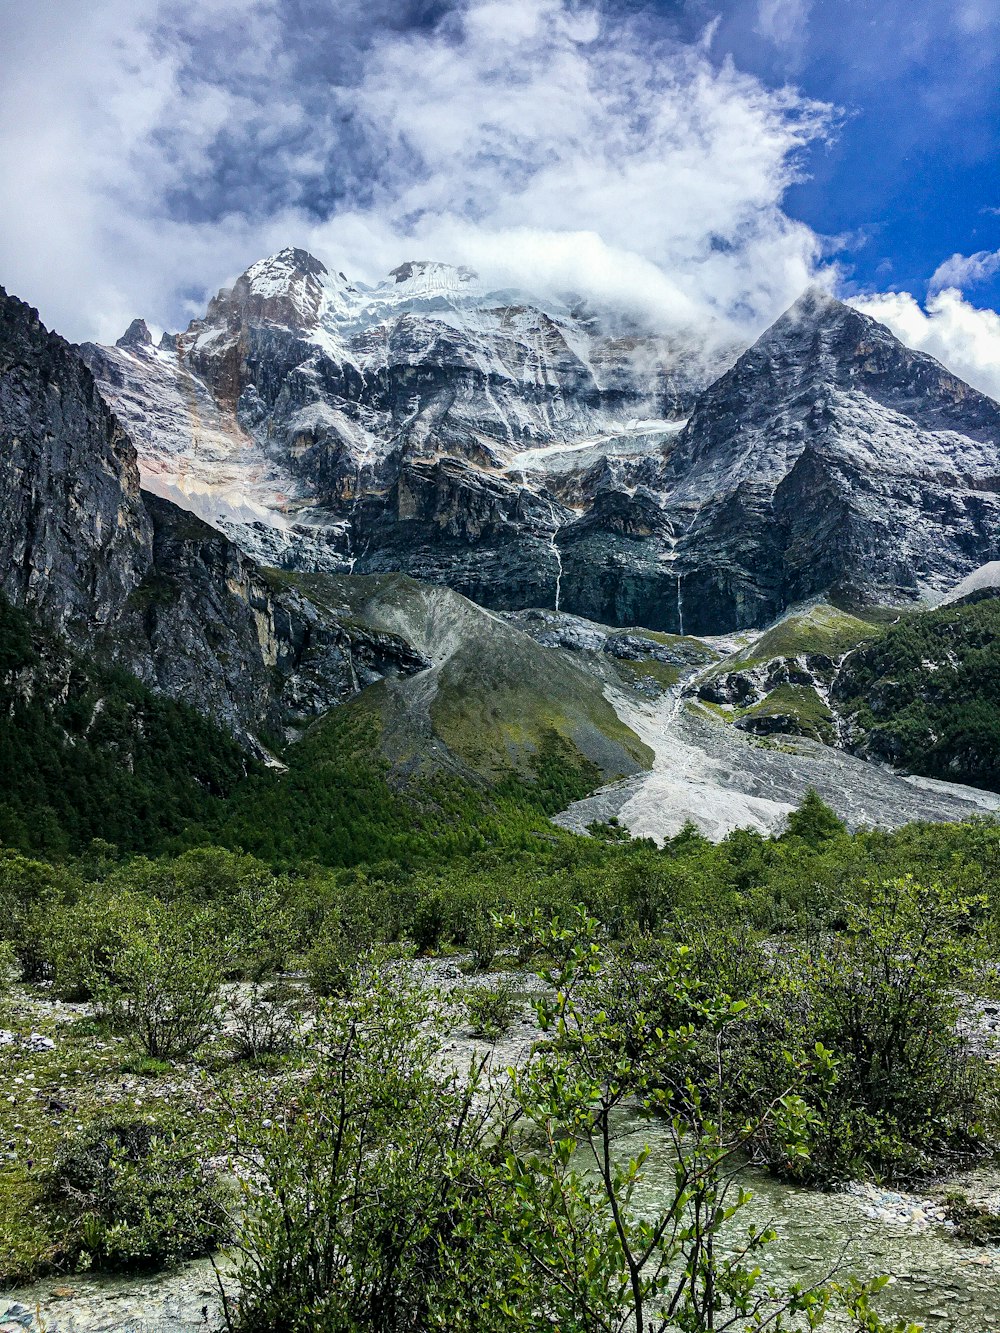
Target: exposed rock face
136,336
142,581
743,688
529,454
206,625
831,457
423,425
75,538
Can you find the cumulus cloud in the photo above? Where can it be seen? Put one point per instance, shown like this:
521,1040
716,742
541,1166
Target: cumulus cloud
549,148
154,149
966,270
964,338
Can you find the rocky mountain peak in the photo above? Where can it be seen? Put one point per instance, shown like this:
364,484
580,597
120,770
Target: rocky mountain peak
414,268
286,288
815,304
832,456
429,278
817,328
136,335
278,272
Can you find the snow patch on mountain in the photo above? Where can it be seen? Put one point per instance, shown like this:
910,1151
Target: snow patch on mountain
986,576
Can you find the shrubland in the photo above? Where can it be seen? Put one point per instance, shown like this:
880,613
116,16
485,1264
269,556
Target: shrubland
789,1001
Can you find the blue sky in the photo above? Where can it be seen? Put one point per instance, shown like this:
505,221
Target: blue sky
693,164
913,174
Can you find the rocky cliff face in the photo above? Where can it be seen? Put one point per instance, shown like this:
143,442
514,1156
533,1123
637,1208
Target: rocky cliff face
534,455
140,581
831,458
75,538
423,425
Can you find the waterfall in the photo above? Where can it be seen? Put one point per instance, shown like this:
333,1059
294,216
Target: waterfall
555,551
680,606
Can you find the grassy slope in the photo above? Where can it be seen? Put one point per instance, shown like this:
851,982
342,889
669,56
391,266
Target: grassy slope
499,733
492,696
800,702
820,629
342,801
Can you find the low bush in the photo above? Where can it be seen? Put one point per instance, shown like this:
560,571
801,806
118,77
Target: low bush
332,960
973,1223
263,1021
429,925
133,1195
9,969
909,1099
161,989
481,939
360,1222
492,1009
84,938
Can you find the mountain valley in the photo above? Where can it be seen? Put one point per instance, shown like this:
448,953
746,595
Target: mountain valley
326,479
350,626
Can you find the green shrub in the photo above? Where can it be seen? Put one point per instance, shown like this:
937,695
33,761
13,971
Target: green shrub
161,989
973,1223
134,1195
430,920
31,894
908,1099
813,821
359,1223
263,1021
9,970
481,939
86,938
331,961
491,1009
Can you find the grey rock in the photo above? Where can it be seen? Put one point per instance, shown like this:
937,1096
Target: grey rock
141,582
831,457
75,538
136,335
392,429
527,455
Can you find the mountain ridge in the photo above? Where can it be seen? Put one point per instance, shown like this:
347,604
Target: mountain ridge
523,454
831,458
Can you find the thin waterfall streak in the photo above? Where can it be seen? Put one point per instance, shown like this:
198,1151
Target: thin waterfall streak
556,551
680,606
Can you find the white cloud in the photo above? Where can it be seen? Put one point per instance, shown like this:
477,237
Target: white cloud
155,149
558,155
964,338
783,22
965,270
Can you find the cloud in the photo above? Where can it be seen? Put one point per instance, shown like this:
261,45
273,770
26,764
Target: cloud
964,338
557,151
154,149
783,22
966,270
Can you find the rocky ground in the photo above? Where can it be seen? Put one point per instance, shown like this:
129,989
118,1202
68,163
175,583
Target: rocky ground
720,779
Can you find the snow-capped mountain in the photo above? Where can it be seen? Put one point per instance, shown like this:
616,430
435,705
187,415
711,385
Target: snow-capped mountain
337,426
532,453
